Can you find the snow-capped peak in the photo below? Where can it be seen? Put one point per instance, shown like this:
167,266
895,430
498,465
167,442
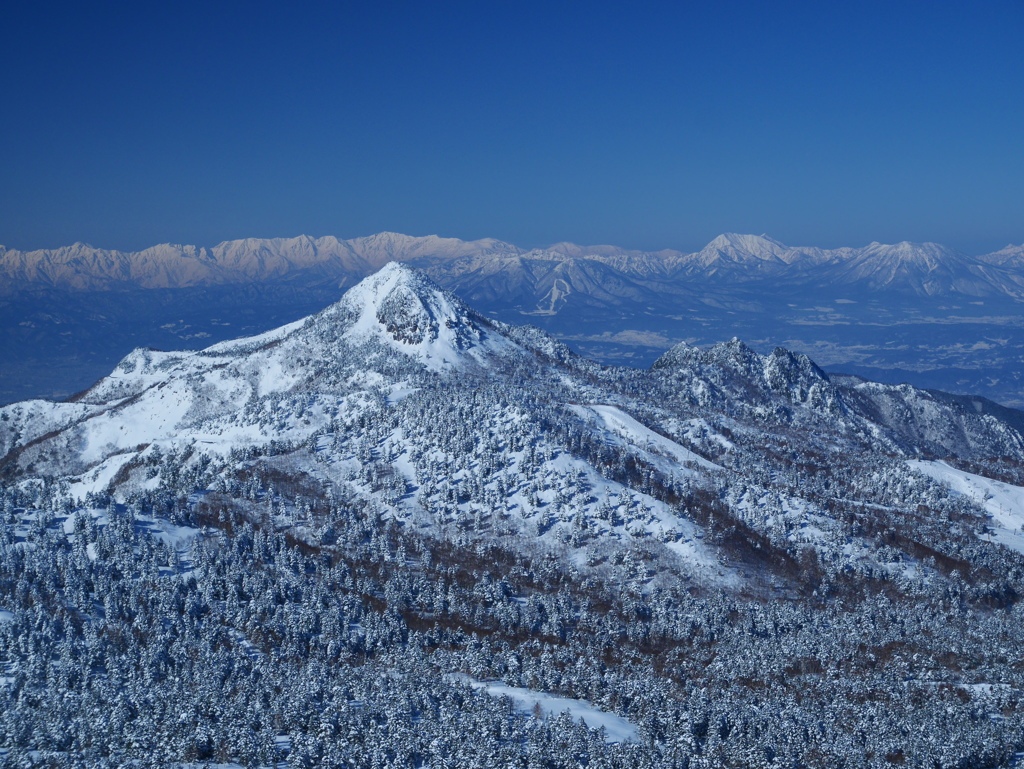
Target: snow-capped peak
406,310
927,255
746,246
754,244
745,251
923,268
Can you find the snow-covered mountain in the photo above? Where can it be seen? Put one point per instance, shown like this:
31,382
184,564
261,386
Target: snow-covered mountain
925,269
398,342
181,397
82,267
1009,255
921,268
352,533
742,257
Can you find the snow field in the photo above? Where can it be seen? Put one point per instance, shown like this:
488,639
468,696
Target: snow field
528,701
622,429
1003,501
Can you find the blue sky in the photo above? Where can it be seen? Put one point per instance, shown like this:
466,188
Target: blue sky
656,126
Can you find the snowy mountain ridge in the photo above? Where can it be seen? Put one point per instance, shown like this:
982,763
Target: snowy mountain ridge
921,267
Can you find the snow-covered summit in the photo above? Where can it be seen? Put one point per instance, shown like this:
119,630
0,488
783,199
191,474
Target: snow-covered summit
744,255
782,372
404,309
736,245
926,269
1010,256
907,257
735,351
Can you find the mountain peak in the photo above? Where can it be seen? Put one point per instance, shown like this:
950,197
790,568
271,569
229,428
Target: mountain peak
731,247
908,250
403,308
748,242
1009,256
909,261
678,356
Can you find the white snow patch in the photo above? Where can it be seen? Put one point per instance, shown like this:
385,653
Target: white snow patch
273,376
177,537
621,424
1003,501
98,478
617,728
400,392
696,429
248,343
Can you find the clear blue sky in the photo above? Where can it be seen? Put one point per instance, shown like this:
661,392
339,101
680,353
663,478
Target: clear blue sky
646,125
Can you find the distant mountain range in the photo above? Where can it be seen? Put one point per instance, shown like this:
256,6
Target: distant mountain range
922,313
546,277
